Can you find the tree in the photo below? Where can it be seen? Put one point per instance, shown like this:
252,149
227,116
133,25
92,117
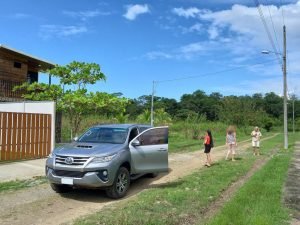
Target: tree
200,103
40,91
72,96
161,117
273,105
238,111
144,117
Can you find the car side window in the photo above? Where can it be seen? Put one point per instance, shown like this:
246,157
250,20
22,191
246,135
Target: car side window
133,133
154,137
141,129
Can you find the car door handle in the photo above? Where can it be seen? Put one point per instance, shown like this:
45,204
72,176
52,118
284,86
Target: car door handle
162,150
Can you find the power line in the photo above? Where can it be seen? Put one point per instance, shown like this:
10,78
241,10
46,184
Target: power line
282,13
271,18
212,73
261,14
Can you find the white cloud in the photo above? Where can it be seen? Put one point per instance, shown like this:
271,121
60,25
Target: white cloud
239,30
213,32
49,31
186,52
187,13
158,55
196,28
19,16
135,10
192,48
84,15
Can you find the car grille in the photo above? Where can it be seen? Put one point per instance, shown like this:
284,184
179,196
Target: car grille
65,173
77,161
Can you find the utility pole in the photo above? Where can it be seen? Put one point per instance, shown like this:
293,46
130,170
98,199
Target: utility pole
293,114
285,128
152,103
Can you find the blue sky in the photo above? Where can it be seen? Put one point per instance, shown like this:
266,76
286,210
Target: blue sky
215,44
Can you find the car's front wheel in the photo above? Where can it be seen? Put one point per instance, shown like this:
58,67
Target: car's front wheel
61,188
120,185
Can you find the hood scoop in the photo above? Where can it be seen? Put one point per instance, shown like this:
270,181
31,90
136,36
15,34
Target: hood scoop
84,146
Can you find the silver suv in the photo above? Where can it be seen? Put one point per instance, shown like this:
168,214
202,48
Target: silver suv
109,156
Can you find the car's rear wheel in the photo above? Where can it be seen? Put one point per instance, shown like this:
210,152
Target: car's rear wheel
120,185
61,188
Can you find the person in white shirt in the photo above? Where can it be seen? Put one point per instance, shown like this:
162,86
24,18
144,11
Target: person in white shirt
255,134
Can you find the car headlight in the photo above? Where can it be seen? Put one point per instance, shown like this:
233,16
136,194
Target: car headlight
103,158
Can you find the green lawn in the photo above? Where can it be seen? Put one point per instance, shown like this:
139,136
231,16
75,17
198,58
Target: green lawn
259,201
181,137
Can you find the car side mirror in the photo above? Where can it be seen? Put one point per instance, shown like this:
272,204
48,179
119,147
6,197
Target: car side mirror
75,139
135,143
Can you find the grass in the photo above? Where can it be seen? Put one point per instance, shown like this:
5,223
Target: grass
260,200
181,202
179,142
21,184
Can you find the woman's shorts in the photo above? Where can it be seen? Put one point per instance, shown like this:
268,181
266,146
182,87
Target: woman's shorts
255,144
207,148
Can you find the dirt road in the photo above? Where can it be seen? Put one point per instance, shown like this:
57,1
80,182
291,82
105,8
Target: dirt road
40,205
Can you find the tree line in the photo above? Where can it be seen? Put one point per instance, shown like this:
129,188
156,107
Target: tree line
264,110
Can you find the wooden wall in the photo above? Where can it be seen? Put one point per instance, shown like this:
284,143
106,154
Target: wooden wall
10,73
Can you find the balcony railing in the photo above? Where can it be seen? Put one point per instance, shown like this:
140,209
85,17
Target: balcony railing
6,90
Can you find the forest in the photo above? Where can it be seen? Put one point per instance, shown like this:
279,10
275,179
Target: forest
265,110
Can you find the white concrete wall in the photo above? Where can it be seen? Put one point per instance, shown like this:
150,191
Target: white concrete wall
44,107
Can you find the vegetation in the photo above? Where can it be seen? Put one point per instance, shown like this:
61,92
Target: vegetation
21,184
72,96
168,203
183,135
257,110
260,200
76,102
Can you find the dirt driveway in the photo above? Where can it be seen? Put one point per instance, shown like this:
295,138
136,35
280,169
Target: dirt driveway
40,205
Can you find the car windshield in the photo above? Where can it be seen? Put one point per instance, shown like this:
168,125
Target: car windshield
104,135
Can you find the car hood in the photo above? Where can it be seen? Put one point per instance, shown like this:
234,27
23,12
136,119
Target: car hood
89,149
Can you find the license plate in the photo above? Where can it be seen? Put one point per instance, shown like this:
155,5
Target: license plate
67,181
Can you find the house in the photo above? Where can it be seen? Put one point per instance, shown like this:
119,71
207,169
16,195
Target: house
16,68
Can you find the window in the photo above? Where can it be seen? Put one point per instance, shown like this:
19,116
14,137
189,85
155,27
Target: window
17,65
32,77
154,137
133,133
104,135
141,129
